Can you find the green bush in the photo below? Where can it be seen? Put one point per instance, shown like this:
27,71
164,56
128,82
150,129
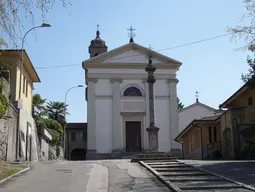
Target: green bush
55,137
55,130
40,124
3,105
53,124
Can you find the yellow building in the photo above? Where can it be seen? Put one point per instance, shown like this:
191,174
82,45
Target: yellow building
201,138
29,77
238,123
225,135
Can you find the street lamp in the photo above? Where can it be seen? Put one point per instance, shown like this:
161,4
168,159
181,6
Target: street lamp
22,53
20,83
64,135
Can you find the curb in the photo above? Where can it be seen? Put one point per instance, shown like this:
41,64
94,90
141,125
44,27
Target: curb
14,175
161,178
222,177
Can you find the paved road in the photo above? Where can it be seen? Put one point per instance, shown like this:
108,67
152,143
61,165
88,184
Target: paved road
241,171
81,176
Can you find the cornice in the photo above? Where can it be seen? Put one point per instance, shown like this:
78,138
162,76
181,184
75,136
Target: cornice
112,80
172,81
129,65
94,80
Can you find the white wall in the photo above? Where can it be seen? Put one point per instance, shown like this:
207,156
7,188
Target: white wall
24,118
103,87
104,125
129,71
162,118
188,115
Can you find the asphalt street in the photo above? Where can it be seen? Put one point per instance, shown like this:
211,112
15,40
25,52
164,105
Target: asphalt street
89,176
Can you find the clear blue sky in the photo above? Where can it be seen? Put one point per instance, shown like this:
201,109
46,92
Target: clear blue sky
213,68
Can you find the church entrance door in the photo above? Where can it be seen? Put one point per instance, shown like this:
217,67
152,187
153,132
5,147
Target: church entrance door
133,136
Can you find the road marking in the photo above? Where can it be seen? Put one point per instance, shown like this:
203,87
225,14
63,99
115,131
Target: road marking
98,181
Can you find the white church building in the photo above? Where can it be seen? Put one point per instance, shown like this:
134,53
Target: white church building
118,100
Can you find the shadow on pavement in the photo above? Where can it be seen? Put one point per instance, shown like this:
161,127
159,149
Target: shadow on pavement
239,171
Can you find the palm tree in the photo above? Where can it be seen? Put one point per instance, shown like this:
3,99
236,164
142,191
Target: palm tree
56,110
39,109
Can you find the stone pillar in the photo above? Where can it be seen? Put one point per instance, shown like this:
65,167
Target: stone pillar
91,117
174,121
152,129
116,117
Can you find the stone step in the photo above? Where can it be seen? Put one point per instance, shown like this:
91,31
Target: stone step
220,190
168,166
153,159
211,186
175,169
196,178
189,173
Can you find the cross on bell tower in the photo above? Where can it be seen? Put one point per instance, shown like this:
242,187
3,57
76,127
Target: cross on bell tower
131,34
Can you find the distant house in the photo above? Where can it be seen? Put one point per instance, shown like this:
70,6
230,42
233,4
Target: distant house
228,134
26,148
191,112
76,141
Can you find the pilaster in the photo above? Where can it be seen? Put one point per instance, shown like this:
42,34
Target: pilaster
173,113
91,116
116,117
147,110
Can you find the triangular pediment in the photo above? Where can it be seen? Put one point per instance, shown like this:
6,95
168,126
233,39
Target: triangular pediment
130,53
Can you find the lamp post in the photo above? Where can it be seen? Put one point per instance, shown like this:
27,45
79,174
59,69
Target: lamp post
152,129
64,144
20,83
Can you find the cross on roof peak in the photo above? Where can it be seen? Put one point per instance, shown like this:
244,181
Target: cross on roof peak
197,95
131,34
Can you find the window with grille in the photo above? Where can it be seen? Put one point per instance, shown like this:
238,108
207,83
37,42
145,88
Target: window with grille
132,91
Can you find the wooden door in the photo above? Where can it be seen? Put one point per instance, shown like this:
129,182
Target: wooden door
133,136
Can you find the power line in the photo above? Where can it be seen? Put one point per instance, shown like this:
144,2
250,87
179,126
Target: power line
165,49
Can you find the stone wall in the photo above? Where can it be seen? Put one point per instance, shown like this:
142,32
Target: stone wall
8,127
53,153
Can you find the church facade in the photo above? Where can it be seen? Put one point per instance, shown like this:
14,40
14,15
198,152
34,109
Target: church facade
118,99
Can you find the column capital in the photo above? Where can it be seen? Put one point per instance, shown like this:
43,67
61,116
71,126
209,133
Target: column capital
116,80
92,79
172,81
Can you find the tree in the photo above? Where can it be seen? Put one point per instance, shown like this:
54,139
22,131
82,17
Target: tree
12,13
249,77
247,30
38,107
56,110
180,105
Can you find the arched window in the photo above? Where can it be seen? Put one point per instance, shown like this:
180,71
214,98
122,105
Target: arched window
132,91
